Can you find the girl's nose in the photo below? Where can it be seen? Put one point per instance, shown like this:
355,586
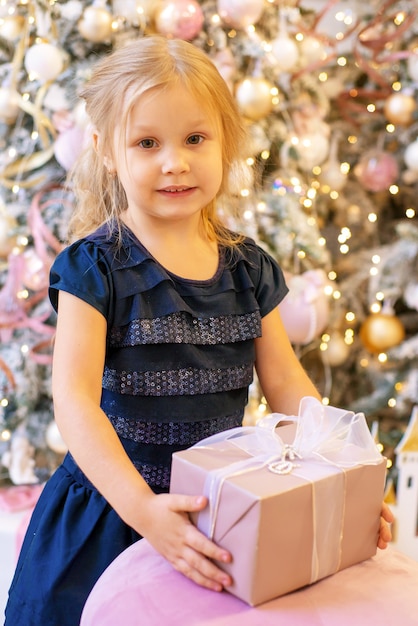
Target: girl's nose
175,161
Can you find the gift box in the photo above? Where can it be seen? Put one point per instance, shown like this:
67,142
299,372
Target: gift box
292,504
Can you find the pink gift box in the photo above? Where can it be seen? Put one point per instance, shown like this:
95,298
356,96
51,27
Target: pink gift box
289,514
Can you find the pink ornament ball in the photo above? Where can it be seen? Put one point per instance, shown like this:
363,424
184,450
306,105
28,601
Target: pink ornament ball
377,171
240,13
180,18
411,156
36,273
68,146
305,309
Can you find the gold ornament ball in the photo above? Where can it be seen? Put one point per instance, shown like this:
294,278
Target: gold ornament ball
95,24
381,331
254,97
337,351
8,227
9,105
399,108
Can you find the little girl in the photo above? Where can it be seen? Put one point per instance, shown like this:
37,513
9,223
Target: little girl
162,315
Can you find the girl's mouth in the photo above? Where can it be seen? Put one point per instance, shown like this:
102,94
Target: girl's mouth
176,191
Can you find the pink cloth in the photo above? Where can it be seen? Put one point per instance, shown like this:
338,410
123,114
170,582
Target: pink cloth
140,588
19,497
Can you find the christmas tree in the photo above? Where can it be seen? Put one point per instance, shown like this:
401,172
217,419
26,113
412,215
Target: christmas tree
329,93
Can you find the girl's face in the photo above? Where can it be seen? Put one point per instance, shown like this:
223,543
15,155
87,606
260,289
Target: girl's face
172,165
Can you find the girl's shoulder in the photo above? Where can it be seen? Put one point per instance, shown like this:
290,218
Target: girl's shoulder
88,267
253,265
107,246
251,253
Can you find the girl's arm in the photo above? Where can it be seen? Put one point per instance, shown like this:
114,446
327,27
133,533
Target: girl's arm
284,383
282,378
79,355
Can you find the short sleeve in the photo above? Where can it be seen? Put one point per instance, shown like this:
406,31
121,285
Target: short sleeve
82,270
269,282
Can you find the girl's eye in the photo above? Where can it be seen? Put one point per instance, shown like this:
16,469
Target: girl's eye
195,139
147,143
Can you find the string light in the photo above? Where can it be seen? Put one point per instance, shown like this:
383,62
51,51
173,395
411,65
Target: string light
6,435
349,336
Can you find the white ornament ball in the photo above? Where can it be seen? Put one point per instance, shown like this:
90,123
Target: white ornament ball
44,61
9,105
129,9
312,50
56,98
95,24
337,350
285,51
411,156
71,10
54,440
240,13
312,150
12,26
337,20
332,176
411,295
254,97
412,66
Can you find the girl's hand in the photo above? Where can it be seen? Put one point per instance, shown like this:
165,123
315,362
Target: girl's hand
168,528
385,533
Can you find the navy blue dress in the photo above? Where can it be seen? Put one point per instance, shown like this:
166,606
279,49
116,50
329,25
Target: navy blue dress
179,360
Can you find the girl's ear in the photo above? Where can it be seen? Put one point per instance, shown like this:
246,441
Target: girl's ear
107,160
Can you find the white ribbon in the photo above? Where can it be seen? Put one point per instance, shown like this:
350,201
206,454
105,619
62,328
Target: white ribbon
328,441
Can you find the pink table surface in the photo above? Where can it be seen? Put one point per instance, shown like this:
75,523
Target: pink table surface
140,588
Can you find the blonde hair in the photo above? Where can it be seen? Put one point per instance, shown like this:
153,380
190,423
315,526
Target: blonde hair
148,63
